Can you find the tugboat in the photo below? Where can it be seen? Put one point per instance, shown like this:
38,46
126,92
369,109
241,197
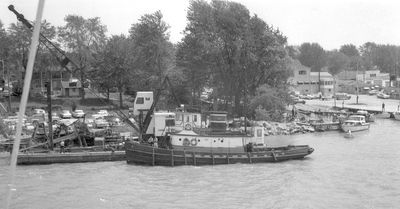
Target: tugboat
211,146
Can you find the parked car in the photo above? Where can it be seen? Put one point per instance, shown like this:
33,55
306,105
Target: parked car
297,100
39,112
78,114
382,95
100,114
373,92
55,117
65,114
100,123
342,96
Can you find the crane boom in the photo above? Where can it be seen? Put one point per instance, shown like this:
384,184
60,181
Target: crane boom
57,52
149,114
63,59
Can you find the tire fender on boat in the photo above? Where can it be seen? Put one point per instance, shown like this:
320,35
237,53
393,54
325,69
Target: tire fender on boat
274,155
193,142
188,126
186,142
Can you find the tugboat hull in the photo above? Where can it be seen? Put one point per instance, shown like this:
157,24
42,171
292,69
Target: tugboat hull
147,155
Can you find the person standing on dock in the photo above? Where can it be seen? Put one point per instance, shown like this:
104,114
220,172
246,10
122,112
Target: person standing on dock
383,107
62,147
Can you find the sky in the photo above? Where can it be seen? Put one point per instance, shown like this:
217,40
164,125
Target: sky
331,23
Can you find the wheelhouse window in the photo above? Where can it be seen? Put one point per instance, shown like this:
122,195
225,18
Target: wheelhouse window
140,100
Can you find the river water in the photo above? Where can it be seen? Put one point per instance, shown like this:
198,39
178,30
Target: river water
363,172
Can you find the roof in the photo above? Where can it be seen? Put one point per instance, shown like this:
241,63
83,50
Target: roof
323,74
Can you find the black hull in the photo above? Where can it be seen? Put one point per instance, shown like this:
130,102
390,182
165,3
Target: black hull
76,157
146,155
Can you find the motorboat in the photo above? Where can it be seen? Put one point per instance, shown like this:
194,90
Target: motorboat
355,123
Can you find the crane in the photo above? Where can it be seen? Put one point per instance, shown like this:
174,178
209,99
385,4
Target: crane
64,60
150,112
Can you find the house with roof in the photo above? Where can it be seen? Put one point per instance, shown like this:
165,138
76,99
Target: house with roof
71,88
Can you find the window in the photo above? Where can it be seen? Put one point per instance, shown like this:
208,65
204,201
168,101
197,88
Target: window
372,75
140,100
302,72
194,118
259,133
187,119
178,117
169,122
147,98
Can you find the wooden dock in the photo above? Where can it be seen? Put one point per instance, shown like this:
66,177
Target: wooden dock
72,157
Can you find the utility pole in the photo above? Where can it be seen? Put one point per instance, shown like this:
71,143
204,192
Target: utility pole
334,91
9,90
48,86
357,82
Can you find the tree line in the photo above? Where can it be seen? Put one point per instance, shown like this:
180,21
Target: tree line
369,56
246,61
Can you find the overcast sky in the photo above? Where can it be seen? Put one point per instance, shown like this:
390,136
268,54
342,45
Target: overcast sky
331,23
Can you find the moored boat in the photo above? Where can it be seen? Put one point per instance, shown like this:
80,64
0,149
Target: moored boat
355,123
396,115
212,146
369,117
144,154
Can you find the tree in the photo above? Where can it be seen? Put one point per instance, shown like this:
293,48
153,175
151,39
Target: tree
269,101
113,65
233,52
349,50
313,56
337,61
83,38
153,52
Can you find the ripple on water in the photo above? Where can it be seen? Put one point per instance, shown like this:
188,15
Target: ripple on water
359,173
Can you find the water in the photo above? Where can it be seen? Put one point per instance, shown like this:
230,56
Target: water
362,172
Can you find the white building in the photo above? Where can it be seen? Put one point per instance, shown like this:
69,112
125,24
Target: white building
306,82
374,78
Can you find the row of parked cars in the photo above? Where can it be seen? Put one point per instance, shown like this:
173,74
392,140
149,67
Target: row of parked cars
64,114
101,119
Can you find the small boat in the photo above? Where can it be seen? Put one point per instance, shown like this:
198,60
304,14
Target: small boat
326,126
348,135
368,116
212,146
396,115
355,123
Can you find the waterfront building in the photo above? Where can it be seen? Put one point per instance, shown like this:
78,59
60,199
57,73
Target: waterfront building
306,82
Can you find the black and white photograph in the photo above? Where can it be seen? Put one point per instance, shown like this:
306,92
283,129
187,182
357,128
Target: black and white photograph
192,104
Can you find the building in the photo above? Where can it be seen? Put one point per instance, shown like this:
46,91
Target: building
306,82
71,88
374,78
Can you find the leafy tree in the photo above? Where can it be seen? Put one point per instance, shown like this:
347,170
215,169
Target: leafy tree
230,50
113,66
349,50
269,103
312,55
83,38
337,61
152,52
